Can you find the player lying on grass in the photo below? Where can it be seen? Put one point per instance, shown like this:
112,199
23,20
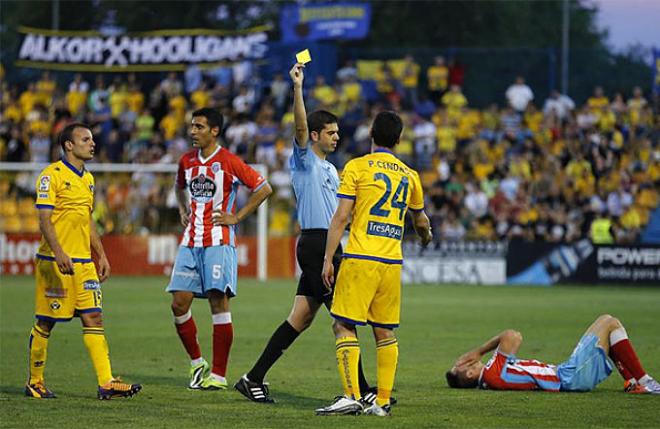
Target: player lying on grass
587,366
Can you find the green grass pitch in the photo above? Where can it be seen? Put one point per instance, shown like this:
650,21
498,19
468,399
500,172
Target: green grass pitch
438,323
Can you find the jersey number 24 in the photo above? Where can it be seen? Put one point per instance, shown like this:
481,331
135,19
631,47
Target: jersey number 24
398,199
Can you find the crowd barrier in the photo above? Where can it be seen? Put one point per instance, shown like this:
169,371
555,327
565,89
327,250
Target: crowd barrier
487,263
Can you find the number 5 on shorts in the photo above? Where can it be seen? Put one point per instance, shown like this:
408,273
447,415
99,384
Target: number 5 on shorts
217,271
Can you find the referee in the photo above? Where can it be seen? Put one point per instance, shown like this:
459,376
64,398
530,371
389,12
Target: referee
315,182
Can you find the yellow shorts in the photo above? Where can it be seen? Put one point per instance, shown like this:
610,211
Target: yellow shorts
368,292
59,297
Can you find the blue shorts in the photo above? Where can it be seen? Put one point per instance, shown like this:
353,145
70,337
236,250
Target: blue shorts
587,367
200,269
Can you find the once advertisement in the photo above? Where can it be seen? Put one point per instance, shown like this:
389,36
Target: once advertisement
455,262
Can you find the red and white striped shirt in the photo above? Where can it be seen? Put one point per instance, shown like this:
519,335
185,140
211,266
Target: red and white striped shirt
504,372
212,183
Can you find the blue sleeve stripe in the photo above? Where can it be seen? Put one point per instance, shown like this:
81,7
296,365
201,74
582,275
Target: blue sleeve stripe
347,320
348,197
44,206
264,183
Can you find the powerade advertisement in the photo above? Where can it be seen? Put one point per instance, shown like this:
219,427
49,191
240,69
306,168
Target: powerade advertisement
582,262
323,21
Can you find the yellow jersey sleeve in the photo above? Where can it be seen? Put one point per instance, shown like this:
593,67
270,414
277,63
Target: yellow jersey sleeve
46,188
416,194
348,181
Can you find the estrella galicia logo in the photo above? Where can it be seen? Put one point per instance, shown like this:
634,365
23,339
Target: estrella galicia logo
55,305
91,285
202,189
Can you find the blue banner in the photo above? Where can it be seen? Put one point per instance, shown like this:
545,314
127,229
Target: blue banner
322,21
656,71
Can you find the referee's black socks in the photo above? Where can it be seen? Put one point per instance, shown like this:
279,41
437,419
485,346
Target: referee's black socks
281,339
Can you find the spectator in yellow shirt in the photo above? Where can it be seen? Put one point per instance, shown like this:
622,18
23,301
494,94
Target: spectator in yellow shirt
135,99
410,80
454,100
45,89
200,97
324,94
170,124
28,99
437,77
597,101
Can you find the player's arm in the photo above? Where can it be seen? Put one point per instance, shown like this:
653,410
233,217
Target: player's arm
182,201
227,218
64,262
337,226
422,226
95,241
299,113
508,341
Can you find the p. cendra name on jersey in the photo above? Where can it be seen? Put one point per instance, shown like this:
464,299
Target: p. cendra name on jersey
385,165
384,230
202,189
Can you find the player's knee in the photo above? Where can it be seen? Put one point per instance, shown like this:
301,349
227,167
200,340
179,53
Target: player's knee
605,318
180,308
513,334
45,325
93,319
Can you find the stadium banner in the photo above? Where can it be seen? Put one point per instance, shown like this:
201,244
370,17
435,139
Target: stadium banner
322,21
163,50
656,71
582,262
149,255
455,262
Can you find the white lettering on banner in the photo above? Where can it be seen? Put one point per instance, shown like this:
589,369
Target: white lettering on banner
487,271
629,256
162,249
125,50
18,251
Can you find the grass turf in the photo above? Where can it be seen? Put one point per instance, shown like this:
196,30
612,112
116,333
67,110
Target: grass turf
438,323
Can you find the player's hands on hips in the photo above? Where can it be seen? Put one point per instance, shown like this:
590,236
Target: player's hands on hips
64,263
297,74
328,273
104,269
223,218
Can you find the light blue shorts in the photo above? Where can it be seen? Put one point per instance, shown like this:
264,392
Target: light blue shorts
586,368
200,269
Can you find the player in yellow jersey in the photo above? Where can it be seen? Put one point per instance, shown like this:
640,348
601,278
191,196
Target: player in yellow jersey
67,281
376,190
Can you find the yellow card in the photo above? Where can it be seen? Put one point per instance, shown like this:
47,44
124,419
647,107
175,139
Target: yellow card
303,56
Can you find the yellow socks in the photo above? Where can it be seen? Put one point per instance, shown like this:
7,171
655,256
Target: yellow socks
387,354
94,338
38,354
348,354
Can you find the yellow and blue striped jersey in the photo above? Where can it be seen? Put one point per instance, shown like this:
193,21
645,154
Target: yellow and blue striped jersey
70,194
383,188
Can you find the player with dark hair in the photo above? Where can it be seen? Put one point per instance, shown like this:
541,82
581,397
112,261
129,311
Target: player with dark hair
376,191
587,366
68,284
206,263
315,183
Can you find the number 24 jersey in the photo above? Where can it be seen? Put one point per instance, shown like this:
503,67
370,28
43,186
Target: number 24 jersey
383,188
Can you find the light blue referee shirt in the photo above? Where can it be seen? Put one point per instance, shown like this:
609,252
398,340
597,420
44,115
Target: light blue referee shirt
315,183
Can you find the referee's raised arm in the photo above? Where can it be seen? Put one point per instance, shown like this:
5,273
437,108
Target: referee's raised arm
299,113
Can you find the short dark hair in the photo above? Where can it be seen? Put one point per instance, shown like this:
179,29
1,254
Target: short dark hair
386,129
67,133
456,382
317,120
213,117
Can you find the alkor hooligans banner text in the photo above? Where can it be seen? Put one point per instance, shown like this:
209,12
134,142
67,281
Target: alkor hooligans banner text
148,51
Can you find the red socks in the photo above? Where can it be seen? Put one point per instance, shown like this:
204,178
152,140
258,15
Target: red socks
623,354
187,331
223,336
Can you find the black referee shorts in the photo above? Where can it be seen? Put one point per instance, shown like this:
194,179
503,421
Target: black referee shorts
309,252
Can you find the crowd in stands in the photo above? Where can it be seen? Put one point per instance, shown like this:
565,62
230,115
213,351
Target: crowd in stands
533,169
